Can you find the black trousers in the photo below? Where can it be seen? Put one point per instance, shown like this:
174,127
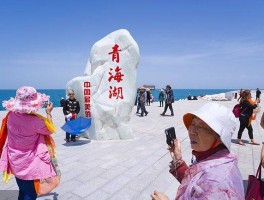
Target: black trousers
170,107
244,120
161,103
68,135
148,101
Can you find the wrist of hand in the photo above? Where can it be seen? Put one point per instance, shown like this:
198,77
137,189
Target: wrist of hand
48,113
175,164
177,158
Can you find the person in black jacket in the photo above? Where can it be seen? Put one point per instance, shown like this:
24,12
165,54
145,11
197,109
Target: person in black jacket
148,98
245,116
70,110
62,102
169,99
258,93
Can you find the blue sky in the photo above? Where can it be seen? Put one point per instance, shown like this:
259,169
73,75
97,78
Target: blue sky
187,44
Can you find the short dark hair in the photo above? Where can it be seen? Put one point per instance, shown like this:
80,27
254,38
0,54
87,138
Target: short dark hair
71,91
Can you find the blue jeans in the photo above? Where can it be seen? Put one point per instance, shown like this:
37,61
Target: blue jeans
26,189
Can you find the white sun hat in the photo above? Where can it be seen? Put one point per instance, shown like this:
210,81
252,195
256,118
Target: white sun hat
218,117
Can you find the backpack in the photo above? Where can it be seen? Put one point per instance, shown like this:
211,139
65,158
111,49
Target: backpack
237,110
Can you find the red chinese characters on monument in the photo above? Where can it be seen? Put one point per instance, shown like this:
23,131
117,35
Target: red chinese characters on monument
116,75
115,53
87,98
116,92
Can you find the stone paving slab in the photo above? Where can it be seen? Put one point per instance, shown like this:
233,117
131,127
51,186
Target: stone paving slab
133,169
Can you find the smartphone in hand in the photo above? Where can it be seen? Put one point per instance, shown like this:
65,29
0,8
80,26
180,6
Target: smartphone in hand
170,135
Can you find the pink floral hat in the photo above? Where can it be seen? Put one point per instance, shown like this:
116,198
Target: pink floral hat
27,100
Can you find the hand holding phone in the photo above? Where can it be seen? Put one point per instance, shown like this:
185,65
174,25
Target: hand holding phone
174,144
46,103
49,107
170,135
175,150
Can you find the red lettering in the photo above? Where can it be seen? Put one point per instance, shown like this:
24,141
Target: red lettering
87,114
116,92
86,84
115,53
86,91
87,106
87,99
117,76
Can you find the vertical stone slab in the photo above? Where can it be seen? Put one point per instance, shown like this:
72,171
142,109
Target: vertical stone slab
107,91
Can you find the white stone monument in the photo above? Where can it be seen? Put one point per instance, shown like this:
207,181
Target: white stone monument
107,90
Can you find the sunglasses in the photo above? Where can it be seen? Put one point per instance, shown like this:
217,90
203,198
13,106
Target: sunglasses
70,94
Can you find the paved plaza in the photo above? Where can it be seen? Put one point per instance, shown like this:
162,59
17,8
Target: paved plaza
133,169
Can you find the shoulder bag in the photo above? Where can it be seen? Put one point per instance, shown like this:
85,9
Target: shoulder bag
255,188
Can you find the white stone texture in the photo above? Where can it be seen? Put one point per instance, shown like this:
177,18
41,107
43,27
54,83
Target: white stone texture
110,116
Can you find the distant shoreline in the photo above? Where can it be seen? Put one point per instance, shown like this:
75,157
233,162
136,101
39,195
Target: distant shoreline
56,94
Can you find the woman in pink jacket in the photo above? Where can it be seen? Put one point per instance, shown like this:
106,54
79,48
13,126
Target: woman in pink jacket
214,174
25,153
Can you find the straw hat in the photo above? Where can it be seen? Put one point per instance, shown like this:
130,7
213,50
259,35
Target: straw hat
27,100
218,117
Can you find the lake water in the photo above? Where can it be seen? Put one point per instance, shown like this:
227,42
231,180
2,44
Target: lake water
56,94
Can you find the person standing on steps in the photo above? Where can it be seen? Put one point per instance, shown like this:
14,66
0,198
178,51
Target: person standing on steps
169,99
